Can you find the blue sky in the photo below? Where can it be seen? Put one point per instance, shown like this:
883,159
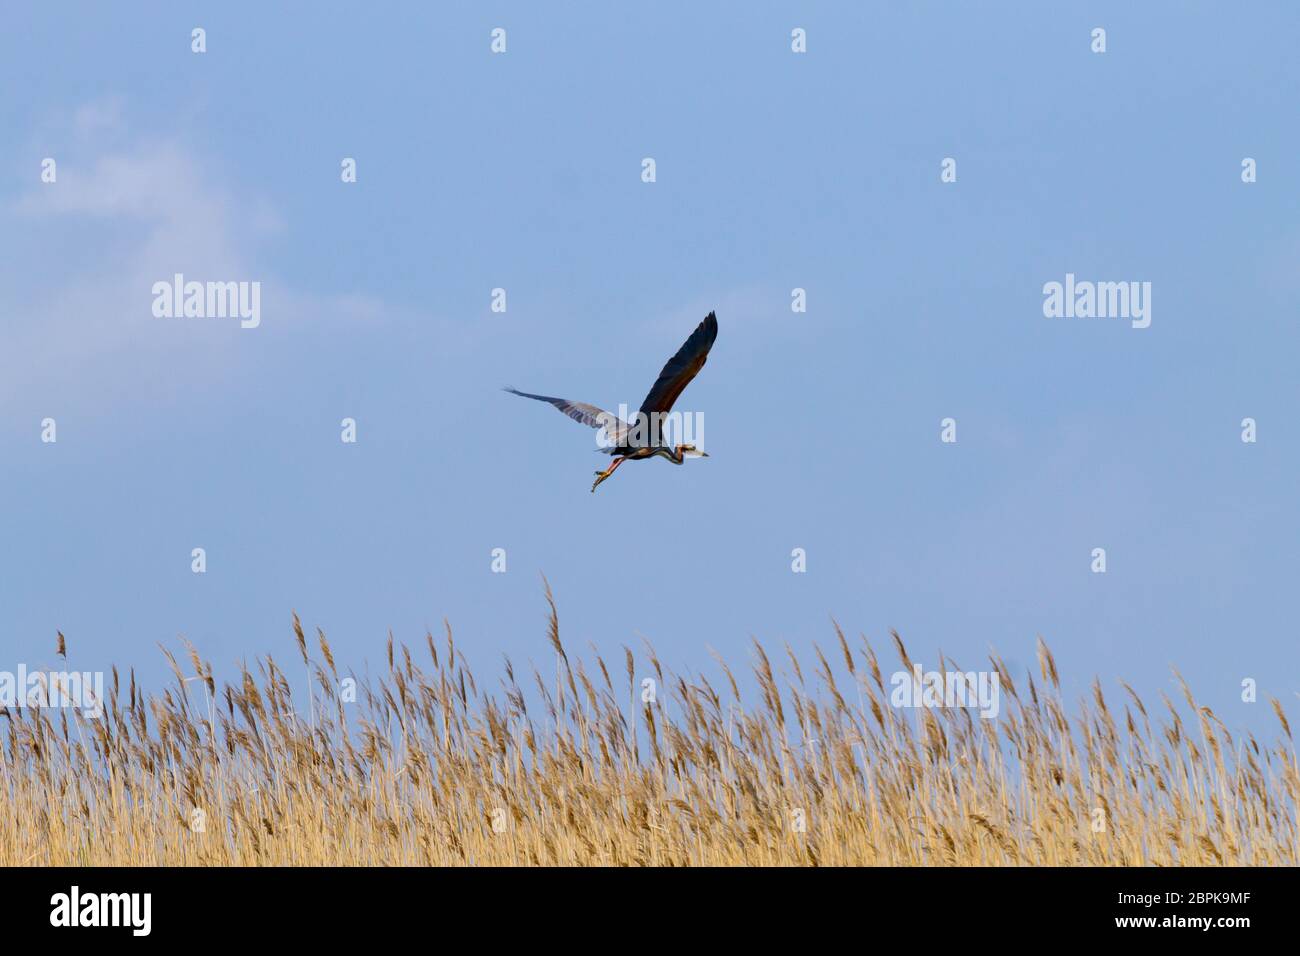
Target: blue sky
775,170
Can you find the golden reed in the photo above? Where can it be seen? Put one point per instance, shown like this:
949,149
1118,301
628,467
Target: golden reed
426,769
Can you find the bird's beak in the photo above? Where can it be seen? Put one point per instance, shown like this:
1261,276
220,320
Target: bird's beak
704,454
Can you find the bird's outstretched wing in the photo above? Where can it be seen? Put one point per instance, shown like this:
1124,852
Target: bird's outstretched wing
588,415
682,367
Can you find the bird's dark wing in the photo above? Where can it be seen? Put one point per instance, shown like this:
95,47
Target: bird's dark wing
588,415
682,367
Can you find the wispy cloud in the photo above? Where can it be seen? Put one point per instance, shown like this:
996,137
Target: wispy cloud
77,320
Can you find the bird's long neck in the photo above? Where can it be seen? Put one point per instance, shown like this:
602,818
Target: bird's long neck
672,454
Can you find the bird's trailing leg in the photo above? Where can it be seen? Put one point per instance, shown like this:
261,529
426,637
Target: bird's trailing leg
602,475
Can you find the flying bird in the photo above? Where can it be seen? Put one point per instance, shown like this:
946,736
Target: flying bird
628,442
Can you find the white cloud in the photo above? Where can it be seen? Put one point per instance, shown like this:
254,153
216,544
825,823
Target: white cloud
98,116
76,310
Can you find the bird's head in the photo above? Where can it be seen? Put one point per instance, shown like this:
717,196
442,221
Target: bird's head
690,451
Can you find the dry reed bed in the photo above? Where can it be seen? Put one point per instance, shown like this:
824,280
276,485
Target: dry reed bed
425,769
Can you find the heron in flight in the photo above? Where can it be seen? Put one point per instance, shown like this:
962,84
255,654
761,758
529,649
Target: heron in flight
627,442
